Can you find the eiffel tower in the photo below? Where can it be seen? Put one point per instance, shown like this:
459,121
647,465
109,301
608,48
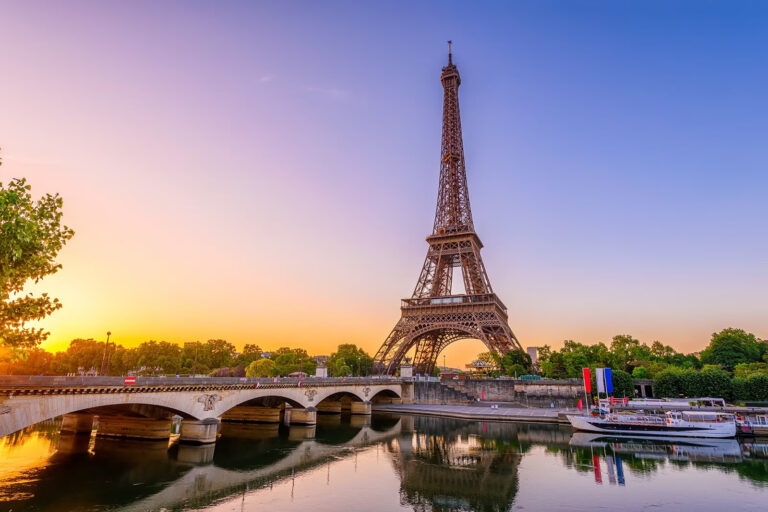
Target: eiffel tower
433,317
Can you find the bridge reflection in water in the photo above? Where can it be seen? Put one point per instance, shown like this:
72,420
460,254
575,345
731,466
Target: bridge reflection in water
435,464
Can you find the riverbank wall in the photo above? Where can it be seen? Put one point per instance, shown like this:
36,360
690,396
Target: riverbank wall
538,393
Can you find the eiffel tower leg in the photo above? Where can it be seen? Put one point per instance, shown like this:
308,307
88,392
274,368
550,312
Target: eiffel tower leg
393,349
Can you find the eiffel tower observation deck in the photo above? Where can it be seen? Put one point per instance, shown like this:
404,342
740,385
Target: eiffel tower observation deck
434,317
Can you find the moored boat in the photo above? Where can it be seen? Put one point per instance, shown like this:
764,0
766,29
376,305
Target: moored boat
672,423
756,425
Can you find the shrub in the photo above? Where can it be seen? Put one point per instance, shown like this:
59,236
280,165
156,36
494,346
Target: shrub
622,384
757,386
690,383
715,383
667,384
739,389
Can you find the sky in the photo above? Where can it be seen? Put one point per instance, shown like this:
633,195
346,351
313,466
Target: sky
266,172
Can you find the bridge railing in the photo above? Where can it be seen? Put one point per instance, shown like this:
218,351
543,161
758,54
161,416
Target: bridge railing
38,381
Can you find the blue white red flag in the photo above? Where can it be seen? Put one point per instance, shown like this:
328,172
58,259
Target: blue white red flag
608,381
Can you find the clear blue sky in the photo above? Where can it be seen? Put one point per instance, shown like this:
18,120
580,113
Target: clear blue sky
616,154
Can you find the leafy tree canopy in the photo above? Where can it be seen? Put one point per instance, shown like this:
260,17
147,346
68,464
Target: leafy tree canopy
730,347
31,236
349,360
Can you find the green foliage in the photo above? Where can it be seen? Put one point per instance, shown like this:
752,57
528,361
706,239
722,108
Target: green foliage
622,384
516,362
349,360
574,362
667,384
626,350
30,239
731,347
250,353
757,386
640,372
744,370
290,360
261,368
739,388
715,383
690,383
554,368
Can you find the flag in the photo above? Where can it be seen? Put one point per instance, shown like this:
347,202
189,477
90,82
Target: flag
587,380
626,400
482,395
600,376
257,385
596,464
608,381
619,470
611,476
580,405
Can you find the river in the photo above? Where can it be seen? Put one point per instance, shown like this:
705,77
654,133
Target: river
381,463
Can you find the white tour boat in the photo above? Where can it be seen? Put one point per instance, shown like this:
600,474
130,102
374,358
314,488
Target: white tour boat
673,423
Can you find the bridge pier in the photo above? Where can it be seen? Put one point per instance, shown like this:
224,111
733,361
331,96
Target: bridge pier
199,431
306,416
360,420
77,423
134,427
301,432
250,430
195,454
329,407
360,408
71,443
253,414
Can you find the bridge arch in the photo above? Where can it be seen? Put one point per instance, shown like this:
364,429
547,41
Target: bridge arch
33,410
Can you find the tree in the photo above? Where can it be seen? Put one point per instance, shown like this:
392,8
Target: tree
730,347
690,383
667,384
262,368
516,362
622,384
555,368
349,359
625,350
290,360
739,387
715,383
757,386
30,239
250,353
640,372
744,370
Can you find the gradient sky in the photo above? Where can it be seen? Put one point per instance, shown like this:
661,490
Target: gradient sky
267,172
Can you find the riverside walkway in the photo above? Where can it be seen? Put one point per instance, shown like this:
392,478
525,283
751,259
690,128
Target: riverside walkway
483,411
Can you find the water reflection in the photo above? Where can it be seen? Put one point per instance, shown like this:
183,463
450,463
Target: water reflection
426,463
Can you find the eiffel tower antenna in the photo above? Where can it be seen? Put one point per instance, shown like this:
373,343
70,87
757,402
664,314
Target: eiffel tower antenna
433,317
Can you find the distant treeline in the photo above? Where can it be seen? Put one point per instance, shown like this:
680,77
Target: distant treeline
213,357
733,366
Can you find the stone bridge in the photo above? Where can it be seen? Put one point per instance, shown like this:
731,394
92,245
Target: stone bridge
144,409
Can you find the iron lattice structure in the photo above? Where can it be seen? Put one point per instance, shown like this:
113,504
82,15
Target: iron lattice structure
433,317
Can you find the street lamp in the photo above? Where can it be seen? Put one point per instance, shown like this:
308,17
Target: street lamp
104,355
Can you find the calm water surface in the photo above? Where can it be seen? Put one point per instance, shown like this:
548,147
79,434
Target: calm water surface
384,463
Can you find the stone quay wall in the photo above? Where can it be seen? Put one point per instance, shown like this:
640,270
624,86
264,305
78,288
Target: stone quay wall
531,393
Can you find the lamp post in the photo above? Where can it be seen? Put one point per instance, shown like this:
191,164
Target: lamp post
110,354
104,355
